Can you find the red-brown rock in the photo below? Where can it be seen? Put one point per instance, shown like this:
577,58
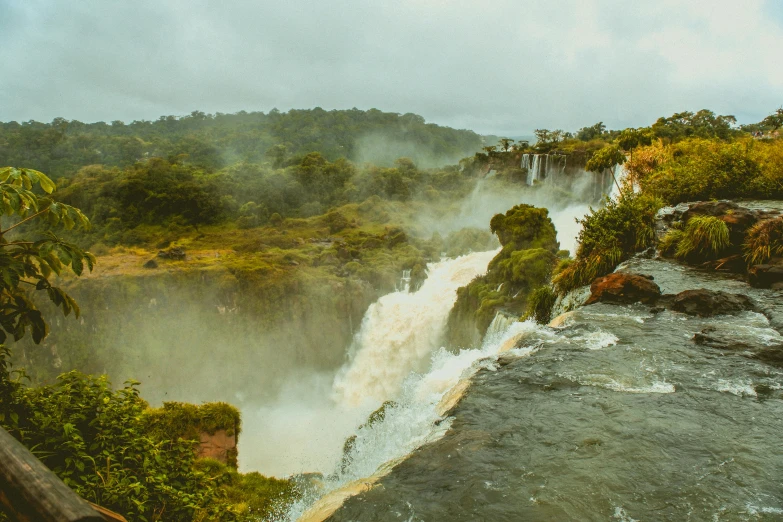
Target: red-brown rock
219,446
623,288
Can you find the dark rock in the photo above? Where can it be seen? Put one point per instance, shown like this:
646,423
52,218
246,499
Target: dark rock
657,309
766,275
709,208
151,264
176,253
734,264
706,303
623,288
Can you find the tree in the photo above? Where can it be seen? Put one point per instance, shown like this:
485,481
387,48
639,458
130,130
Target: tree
606,158
505,143
774,120
27,265
629,139
591,133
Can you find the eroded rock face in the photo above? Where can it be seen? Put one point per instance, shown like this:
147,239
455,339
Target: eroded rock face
623,288
707,303
219,446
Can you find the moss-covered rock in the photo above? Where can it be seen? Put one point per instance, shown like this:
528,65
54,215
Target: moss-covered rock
524,263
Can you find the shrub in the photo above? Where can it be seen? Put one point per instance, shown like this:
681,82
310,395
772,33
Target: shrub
609,235
540,304
763,241
98,441
703,237
703,169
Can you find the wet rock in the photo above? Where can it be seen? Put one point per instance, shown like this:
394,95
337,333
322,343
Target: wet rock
151,264
707,303
712,338
623,288
176,253
733,264
769,275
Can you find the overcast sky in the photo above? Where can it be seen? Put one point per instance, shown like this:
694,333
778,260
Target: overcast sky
493,66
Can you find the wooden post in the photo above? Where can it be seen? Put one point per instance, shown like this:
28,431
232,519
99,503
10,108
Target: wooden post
30,492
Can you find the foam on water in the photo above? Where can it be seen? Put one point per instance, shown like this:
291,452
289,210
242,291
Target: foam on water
400,331
417,416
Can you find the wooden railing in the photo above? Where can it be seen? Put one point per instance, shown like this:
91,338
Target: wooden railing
30,492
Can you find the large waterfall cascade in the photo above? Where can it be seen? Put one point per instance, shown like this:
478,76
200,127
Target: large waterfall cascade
400,331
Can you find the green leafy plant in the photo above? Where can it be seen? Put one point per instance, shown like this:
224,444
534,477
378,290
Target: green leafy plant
99,442
27,265
702,237
540,304
763,241
609,236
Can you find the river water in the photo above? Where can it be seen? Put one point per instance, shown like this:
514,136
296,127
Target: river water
617,414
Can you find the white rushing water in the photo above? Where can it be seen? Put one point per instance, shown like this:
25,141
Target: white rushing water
416,417
400,331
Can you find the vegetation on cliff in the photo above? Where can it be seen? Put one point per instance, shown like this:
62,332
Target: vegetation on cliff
106,445
525,262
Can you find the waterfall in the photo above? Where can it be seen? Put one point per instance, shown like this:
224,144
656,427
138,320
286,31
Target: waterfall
401,330
417,416
620,173
542,167
405,281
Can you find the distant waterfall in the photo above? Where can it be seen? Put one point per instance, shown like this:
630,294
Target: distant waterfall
541,167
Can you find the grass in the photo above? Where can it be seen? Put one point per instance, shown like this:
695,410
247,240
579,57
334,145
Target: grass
540,303
702,238
764,241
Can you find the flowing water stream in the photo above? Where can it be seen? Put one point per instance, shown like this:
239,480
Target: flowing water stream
617,414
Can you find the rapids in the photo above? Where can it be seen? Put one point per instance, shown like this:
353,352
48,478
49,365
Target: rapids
616,415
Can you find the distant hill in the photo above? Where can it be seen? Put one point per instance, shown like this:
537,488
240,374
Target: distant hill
213,141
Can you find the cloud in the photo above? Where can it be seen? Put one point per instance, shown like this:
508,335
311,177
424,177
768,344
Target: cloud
497,66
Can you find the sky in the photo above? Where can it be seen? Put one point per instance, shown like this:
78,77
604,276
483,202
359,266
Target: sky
493,66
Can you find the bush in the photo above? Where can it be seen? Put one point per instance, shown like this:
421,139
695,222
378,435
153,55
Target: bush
609,236
704,169
99,442
763,241
540,304
703,237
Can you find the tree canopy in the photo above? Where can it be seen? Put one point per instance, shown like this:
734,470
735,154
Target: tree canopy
25,264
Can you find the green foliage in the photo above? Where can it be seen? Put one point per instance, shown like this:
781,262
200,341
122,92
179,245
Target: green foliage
764,241
540,304
522,227
32,263
593,132
703,169
775,120
702,124
97,440
179,420
524,263
211,142
703,237
605,158
629,139
610,235
248,496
